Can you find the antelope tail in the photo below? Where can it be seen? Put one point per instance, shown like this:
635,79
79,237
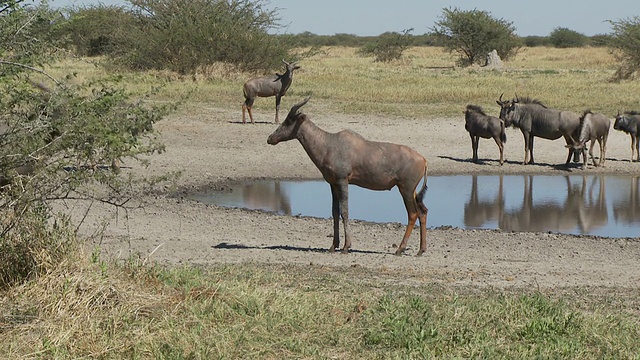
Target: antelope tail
420,194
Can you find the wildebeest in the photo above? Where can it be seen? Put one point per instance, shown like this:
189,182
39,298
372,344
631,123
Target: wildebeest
480,125
629,122
592,127
273,85
533,118
346,158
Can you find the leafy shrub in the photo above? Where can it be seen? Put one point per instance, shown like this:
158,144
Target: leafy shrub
388,46
565,38
181,36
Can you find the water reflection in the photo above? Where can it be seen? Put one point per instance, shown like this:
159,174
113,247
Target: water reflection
594,205
267,196
582,210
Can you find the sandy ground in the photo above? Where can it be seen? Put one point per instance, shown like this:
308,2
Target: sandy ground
215,148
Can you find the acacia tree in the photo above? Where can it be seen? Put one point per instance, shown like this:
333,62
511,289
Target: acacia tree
57,141
388,46
473,34
624,44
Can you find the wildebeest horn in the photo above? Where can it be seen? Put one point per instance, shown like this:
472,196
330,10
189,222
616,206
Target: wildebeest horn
500,97
296,107
516,99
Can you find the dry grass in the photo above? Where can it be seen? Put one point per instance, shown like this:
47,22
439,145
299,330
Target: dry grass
424,84
85,309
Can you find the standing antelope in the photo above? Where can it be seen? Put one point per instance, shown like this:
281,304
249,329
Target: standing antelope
346,158
273,85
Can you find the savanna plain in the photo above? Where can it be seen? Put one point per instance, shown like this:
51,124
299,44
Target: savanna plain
178,279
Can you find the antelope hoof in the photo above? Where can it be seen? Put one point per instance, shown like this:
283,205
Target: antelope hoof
345,250
420,252
399,251
332,249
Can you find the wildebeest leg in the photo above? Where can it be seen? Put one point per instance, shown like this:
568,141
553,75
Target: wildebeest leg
474,147
526,148
248,103
637,146
570,142
335,212
500,147
278,98
531,137
408,196
603,150
593,159
342,195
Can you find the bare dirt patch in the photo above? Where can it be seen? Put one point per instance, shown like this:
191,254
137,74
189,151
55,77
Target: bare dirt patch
214,148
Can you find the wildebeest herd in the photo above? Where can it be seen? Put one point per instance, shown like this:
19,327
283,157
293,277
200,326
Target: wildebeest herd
533,119
346,158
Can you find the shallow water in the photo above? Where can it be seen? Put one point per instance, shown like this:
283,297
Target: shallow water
590,205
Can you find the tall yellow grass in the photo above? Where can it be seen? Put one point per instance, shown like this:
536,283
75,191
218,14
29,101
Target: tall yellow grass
423,84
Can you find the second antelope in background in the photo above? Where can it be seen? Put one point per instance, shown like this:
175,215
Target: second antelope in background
480,125
274,85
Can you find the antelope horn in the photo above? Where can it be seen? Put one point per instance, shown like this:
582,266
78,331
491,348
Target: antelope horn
296,107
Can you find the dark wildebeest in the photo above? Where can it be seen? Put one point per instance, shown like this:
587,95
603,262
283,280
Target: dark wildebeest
480,125
592,127
533,118
629,122
346,158
273,85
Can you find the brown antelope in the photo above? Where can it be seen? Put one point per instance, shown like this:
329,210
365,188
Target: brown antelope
273,85
346,158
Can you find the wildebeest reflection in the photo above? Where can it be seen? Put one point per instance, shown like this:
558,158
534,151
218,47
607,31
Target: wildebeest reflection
627,209
584,209
266,196
478,211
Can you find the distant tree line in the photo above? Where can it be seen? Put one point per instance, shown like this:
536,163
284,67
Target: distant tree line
186,36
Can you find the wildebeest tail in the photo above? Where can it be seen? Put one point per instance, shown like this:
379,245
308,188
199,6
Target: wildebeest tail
503,133
420,194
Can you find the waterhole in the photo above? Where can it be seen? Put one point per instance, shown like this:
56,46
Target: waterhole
589,205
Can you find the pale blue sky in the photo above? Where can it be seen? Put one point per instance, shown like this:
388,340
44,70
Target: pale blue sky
373,17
